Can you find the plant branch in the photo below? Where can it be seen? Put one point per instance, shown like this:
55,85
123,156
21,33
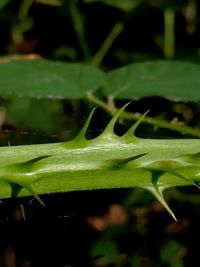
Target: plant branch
107,161
79,29
183,129
108,42
169,34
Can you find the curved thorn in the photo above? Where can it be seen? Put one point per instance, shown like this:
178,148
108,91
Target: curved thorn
110,127
30,190
198,186
29,164
36,196
177,174
120,163
82,133
16,187
131,132
22,208
158,194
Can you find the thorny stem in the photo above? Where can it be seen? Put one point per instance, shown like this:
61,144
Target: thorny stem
183,129
107,161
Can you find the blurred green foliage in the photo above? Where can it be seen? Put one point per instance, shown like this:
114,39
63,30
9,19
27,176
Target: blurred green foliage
86,29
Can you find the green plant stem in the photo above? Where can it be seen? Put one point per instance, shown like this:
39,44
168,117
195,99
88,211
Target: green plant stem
183,129
107,161
17,31
107,44
97,101
59,168
169,33
79,29
24,8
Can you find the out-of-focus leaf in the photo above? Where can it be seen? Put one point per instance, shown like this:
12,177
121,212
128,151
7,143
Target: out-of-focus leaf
125,5
3,3
44,114
42,78
50,2
173,80
171,252
105,249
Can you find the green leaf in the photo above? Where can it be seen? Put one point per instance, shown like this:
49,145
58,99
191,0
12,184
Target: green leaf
3,3
173,80
125,5
44,114
45,79
106,249
50,2
170,253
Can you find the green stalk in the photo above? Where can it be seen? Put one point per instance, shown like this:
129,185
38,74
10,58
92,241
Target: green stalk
24,8
79,29
169,33
159,123
107,161
107,44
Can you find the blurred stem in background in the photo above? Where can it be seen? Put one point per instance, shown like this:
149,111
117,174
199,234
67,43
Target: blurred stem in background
77,19
24,24
108,42
24,8
79,28
156,122
169,33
